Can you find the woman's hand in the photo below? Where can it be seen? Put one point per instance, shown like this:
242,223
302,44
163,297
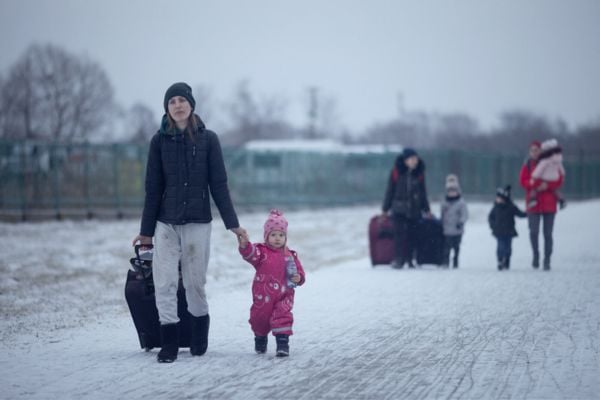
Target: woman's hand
142,239
242,236
296,278
243,241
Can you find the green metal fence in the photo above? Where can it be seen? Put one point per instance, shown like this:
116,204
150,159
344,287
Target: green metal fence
67,179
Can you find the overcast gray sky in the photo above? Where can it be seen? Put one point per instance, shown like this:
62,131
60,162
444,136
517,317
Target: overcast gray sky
474,56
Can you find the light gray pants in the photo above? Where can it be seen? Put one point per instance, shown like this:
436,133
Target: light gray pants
190,244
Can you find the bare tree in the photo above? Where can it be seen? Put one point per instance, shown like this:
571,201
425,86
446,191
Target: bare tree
412,129
586,142
52,94
3,108
205,105
256,119
141,123
456,131
518,128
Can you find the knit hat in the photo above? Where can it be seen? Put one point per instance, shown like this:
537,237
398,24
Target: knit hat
535,143
408,152
275,222
504,192
179,89
549,144
452,183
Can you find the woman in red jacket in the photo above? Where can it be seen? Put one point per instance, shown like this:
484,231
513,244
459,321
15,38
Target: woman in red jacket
544,209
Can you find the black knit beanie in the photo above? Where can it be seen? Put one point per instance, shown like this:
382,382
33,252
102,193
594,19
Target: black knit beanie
179,89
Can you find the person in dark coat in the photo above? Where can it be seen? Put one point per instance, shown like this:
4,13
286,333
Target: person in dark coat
406,198
185,164
502,222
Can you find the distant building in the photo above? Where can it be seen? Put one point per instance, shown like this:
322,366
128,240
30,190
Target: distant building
317,146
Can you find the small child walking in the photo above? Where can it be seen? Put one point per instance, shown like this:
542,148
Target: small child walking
454,216
549,168
502,222
278,272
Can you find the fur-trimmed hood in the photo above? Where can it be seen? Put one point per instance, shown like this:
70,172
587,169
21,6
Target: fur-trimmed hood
403,169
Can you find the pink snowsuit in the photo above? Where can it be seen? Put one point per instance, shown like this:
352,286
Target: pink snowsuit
549,169
272,300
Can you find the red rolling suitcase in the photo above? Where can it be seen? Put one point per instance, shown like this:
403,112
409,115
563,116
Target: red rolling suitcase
381,240
139,293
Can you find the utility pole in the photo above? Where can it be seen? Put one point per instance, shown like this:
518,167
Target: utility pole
313,111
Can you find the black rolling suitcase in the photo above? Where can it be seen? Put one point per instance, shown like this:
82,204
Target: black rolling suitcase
139,293
430,241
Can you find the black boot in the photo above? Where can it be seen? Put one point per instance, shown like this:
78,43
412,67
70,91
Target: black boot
507,263
260,344
536,260
169,338
546,263
199,336
562,203
283,346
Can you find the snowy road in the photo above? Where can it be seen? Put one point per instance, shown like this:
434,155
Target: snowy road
361,333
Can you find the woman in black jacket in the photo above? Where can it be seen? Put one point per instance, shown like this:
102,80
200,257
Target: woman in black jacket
185,163
406,197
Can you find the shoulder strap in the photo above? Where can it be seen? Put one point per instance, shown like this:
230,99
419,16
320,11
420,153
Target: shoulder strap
395,174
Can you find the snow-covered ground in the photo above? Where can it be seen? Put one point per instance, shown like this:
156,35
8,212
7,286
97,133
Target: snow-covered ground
361,332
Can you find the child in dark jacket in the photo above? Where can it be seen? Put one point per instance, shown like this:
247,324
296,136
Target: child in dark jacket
278,272
502,222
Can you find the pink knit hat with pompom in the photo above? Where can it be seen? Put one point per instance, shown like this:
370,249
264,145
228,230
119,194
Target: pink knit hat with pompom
275,222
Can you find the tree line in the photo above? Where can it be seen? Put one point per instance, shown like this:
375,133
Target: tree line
53,95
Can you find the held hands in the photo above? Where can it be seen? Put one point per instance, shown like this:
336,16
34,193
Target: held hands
242,237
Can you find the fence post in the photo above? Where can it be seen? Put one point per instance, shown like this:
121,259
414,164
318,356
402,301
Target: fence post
23,185
54,167
581,181
115,159
86,179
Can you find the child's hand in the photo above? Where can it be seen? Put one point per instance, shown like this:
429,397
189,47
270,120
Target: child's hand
296,278
243,240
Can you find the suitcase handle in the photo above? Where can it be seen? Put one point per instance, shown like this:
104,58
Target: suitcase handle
137,248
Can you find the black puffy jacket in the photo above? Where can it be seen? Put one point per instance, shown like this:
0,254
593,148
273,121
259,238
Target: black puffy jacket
179,175
406,194
502,218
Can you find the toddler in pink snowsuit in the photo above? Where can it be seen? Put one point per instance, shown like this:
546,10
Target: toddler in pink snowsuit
549,168
278,271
